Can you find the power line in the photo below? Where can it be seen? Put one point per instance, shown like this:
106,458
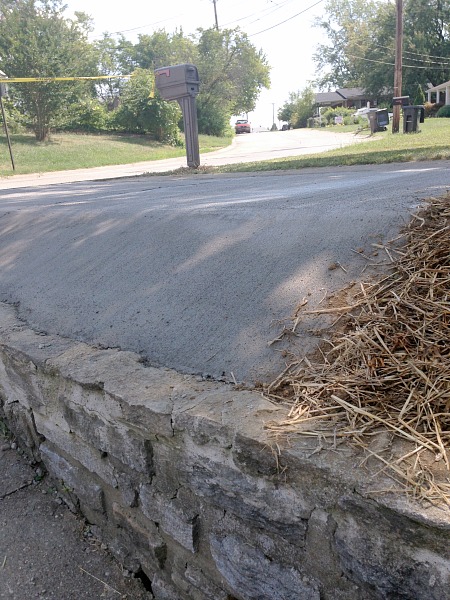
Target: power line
286,20
423,57
148,24
264,13
382,62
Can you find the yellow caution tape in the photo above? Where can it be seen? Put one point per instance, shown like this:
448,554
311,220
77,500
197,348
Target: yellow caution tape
47,79
8,80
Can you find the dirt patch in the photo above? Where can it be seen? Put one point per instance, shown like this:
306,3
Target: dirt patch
46,552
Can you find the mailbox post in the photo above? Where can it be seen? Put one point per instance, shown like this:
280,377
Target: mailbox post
181,83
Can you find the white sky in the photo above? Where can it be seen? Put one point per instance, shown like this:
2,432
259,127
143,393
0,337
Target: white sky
288,45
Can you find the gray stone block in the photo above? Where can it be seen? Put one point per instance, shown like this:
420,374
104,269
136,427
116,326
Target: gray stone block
382,549
252,576
276,507
177,520
77,479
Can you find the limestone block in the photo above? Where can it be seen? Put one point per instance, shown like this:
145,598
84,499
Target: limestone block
142,536
21,423
196,584
16,375
163,590
274,506
73,446
76,478
122,443
177,519
399,558
167,459
252,576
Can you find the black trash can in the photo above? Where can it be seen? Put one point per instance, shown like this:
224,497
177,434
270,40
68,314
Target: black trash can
378,119
412,116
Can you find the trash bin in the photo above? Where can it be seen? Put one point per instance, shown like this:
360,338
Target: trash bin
378,119
412,116
382,118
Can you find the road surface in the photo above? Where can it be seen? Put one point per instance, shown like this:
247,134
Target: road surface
199,273
244,148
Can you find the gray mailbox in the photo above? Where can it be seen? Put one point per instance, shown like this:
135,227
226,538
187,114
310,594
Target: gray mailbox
181,83
177,81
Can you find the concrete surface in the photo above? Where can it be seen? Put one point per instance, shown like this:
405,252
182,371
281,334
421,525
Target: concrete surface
199,273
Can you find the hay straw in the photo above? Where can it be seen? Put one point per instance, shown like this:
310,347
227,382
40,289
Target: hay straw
391,371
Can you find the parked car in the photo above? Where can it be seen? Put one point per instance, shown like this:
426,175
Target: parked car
242,126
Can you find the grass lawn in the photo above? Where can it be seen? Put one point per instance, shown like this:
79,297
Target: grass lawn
432,143
76,151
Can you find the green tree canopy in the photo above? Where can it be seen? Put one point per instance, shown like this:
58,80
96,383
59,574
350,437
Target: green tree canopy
114,57
361,48
299,108
232,71
37,41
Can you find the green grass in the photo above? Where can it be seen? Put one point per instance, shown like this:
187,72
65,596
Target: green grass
432,143
72,151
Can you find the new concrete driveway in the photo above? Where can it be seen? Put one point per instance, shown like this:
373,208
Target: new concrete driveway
199,272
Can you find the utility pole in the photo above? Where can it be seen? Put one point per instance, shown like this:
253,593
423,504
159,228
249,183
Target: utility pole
3,92
215,14
398,65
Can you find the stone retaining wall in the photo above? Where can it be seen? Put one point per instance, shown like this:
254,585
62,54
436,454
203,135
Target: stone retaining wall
178,477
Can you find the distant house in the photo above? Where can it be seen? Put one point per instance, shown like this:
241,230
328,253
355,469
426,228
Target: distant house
440,92
346,97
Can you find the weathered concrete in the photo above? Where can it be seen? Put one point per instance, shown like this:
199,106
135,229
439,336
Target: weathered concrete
180,480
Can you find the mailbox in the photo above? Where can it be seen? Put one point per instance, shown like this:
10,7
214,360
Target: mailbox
181,83
177,81
400,101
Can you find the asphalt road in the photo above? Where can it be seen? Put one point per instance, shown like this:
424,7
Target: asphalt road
198,273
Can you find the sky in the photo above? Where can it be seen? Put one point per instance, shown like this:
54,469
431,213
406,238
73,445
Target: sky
282,29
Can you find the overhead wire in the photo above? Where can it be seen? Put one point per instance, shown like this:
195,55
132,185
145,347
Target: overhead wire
390,63
286,20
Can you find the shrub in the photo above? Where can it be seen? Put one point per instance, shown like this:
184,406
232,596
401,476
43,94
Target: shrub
432,108
444,111
339,111
89,115
14,119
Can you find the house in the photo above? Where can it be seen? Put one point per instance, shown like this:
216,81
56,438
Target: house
441,92
346,97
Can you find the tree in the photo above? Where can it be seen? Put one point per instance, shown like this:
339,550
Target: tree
37,41
419,98
114,57
162,49
299,108
348,25
361,51
232,71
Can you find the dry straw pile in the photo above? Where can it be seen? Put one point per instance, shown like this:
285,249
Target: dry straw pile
390,370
